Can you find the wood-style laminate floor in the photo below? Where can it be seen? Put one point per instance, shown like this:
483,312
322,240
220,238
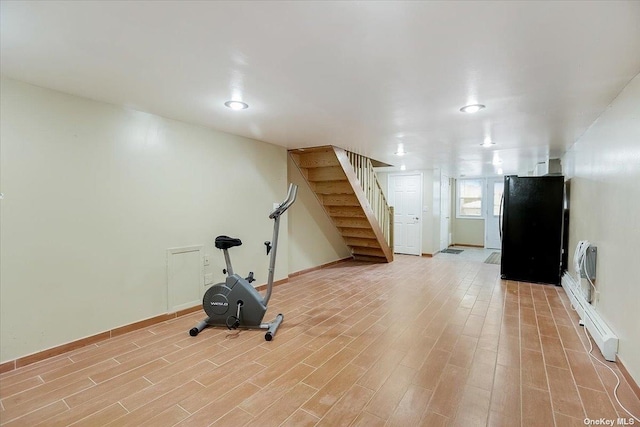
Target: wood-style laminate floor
420,341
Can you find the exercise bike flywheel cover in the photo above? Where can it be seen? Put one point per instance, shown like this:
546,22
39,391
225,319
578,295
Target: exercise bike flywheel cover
215,302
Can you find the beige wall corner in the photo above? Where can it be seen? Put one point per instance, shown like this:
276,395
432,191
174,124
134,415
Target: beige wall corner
313,239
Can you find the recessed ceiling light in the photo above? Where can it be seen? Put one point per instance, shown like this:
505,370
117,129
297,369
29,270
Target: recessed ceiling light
473,108
488,142
236,105
400,151
403,167
500,171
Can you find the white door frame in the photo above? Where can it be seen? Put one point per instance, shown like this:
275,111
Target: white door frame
420,175
445,214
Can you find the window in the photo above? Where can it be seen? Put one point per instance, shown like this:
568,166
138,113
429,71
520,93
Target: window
498,189
469,198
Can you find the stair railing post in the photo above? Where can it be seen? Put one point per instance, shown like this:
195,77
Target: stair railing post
390,213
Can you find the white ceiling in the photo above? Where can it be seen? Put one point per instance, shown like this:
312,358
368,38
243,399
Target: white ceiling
360,75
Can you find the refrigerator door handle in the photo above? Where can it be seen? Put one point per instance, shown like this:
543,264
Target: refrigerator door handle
500,216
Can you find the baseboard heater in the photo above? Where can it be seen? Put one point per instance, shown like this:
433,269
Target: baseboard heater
603,336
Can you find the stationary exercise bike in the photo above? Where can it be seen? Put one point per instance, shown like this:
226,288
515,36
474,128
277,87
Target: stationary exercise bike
236,303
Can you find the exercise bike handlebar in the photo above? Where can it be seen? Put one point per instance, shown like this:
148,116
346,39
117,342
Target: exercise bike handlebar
286,204
275,216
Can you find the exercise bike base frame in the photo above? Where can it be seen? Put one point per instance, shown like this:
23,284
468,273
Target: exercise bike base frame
272,327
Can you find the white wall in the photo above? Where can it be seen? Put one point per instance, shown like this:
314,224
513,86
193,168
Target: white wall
430,213
468,231
94,194
313,239
436,211
383,179
604,170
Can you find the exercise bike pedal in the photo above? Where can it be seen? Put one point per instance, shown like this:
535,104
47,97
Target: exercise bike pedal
235,324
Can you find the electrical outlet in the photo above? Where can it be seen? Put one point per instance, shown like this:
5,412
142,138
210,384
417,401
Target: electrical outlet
207,260
208,279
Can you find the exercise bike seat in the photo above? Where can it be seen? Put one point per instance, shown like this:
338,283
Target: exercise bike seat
226,242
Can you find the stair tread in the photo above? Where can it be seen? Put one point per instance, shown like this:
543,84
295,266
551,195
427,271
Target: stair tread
368,258
357,232
318,159
327,173
345,211
364,248
351,222
367,251
361,249
362,242
340,200
333,187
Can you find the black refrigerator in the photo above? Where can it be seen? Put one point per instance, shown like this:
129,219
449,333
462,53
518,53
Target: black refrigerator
532,229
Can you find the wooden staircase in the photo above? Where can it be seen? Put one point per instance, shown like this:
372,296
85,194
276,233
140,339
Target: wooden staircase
347,188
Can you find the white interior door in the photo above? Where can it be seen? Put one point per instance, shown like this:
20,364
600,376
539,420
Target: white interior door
445,212
495,187
405,195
